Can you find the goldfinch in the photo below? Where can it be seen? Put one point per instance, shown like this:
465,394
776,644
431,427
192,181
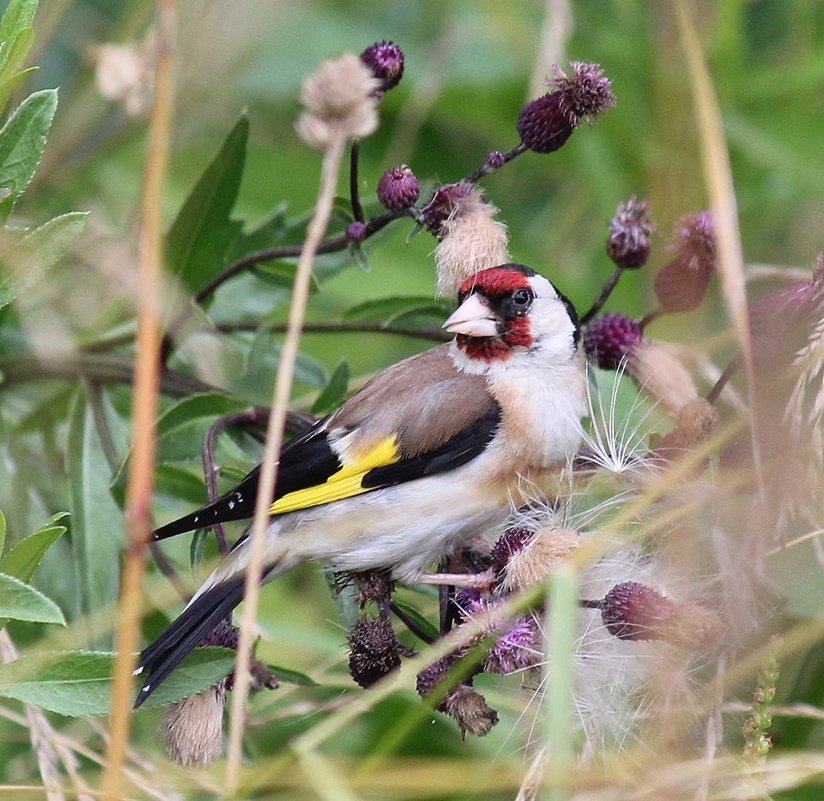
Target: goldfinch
431,451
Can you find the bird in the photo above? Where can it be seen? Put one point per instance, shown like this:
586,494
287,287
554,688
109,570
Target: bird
430,452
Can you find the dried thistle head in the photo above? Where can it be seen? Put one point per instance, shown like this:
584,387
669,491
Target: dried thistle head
470,238
192,728
374,650
471,711
630,231
338,101
547,122
696,421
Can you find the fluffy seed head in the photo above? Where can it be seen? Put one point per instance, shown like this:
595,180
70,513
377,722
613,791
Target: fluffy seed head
398,188
547,122
696,420
681,284
610,338
629,234
374,650
661,376
470,238
386,61
533,563
633,611
192,728
338,100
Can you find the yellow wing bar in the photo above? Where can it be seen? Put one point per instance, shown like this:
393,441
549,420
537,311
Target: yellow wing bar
343,484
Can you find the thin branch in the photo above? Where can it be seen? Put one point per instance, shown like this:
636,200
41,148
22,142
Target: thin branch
729,370
487,168
332,245
144,407
343,327
354,189
274,439
211,469
603,297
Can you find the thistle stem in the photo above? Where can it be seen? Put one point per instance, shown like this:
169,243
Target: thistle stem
603,297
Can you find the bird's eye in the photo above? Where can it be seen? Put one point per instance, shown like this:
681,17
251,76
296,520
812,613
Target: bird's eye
521,298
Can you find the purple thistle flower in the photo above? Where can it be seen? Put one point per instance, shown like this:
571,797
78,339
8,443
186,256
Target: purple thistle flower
610,338
547,122
356,231
386,61
629,234
517,649
398,188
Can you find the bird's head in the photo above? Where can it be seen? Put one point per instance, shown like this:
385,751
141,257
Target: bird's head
511,309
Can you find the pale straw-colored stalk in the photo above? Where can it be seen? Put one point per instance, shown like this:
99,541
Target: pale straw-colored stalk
144,401
274,440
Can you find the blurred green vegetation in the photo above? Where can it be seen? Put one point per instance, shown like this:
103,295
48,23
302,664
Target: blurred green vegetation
469,68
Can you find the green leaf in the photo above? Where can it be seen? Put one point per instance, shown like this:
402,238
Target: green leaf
267,233
178,482
418,619
292,676
22,141
388,309
96,520
19,601
25,557
13,57
2,531
180,430
334,392
281,274
198,239
78,683
25,260
18,15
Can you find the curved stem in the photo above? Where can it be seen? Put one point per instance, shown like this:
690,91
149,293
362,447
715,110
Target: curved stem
476,176
603,296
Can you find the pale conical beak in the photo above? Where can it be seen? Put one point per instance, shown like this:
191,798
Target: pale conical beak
473,318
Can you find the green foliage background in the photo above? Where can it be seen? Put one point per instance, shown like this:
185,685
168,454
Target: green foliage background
468,72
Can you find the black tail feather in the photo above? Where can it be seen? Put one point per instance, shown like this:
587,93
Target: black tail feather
202,615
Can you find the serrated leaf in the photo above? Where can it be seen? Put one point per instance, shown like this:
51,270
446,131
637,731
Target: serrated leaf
78,683
96,520
334,392
25,557
418,619
292,676
200,235
22,141
387,309
19,14
19,601
24,261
